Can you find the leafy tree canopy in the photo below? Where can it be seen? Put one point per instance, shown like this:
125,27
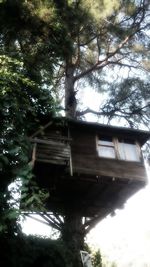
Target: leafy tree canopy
110,41
22,101
69,45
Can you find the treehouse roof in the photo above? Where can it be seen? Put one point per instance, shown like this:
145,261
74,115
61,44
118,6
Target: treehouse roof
141,135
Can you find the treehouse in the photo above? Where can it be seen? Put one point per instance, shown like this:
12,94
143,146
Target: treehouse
88,168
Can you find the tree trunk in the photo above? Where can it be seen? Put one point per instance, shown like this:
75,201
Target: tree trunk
73,237
73,232
70,94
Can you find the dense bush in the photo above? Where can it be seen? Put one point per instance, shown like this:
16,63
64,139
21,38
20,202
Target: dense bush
21,251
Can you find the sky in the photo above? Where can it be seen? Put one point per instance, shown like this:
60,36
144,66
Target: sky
125,238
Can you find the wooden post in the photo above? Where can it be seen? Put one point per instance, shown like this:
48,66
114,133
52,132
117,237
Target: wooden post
34,154
70,158
71,169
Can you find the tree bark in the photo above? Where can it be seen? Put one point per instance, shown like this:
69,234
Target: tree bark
73,234
70,94
73,231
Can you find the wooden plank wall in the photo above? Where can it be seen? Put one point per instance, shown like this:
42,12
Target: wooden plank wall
86,160
52,148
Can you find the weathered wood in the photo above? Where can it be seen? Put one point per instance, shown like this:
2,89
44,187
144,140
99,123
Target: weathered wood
40,156
53,149
41,129
34,154
111,169
86,160
52,161
47,142
78,179
57,137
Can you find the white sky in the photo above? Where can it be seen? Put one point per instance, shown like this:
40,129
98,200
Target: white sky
125,237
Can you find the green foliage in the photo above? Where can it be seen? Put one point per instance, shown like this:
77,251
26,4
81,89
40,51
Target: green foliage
25,74
32,198
31,251
105,39
95,256
128,99
8,215
107,7
34,251
31,28
114,264
97,259
101,35
22,101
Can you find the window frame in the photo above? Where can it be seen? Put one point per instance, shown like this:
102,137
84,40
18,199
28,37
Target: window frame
107,145
115,141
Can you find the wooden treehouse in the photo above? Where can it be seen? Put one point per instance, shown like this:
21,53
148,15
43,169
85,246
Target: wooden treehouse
89,169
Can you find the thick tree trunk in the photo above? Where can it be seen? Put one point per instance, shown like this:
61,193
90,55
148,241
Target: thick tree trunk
70,94
73,232
73,236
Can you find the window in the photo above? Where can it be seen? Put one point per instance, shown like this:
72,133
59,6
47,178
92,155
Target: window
128,151
108,147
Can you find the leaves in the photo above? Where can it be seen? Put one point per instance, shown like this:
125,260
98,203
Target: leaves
32,196
22,101
107,8
128,100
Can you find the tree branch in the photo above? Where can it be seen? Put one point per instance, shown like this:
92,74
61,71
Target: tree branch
88,110
89,41
101,64
78,52
115,112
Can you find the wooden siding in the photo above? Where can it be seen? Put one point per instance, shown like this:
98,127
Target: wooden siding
85,160
79,180
50,149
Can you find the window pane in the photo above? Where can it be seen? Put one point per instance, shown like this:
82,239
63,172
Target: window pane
106,152
128,152
131,152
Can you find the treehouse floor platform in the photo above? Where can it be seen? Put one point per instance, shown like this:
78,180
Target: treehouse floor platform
87,195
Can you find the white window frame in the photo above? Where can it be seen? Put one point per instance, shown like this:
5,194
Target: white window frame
98,142
137,150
